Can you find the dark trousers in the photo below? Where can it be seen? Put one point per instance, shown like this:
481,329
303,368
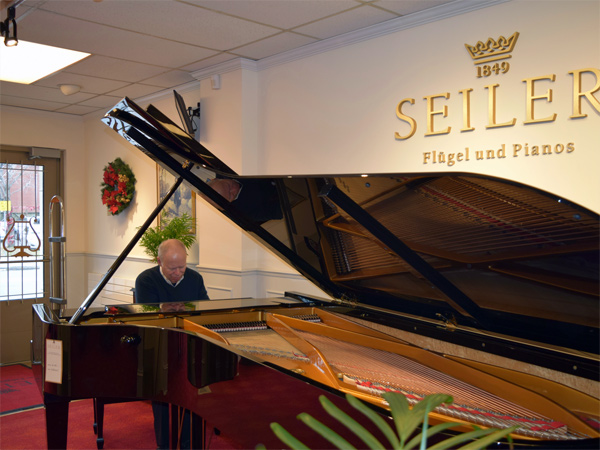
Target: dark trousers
161,426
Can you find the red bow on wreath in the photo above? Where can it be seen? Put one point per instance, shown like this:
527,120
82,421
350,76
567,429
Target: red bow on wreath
118,186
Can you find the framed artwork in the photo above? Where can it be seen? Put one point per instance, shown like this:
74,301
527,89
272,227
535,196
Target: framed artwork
182,202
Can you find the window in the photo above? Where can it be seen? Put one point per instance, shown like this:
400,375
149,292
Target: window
21,231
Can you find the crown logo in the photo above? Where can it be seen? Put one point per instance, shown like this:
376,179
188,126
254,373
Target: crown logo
492,50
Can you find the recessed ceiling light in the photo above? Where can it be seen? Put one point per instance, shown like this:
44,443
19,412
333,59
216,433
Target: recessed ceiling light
69,89
28,61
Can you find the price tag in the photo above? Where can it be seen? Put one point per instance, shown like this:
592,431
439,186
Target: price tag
54,361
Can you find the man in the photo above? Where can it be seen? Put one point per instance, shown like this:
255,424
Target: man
170,281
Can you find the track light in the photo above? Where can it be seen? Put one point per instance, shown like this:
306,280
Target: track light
8,28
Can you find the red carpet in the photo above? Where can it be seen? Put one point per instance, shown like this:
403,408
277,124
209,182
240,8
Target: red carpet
18,388
22,419
126,426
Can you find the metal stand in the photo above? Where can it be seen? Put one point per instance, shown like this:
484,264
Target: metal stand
58,302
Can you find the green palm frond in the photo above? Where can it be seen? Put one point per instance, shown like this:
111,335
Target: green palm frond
412,428
178,227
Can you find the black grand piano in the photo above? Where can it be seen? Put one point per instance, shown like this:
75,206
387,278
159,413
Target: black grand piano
477,287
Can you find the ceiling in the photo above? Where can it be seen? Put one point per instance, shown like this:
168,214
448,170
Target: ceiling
142,47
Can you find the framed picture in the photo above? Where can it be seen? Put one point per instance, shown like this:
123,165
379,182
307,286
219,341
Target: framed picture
182,202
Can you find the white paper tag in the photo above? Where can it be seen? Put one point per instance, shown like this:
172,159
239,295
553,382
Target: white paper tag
54,361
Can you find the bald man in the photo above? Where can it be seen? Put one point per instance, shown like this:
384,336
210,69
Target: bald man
171,280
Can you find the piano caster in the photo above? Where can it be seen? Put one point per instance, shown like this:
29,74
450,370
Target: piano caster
100,443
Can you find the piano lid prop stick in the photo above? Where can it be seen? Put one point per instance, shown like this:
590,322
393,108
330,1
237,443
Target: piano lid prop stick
108,275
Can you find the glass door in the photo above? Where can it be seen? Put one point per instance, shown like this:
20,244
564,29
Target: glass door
27,184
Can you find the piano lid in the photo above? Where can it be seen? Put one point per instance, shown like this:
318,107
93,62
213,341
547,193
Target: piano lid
475,251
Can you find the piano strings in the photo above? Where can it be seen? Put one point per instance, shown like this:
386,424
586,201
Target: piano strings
377,371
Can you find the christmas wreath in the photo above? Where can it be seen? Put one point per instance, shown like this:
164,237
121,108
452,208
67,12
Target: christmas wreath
118,186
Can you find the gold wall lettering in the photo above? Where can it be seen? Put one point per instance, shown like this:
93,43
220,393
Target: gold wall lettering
502,152
490,60
437,106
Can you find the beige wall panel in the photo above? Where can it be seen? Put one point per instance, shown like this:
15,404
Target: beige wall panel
335,112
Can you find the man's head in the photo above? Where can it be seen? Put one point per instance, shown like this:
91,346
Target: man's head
171,258
228,188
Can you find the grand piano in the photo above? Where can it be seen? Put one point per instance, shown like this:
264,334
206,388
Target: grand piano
477,287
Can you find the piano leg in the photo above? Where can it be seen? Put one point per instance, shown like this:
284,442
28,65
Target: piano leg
99,422
95,416
57,421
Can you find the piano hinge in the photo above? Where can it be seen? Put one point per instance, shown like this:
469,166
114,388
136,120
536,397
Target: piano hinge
450,322
346,301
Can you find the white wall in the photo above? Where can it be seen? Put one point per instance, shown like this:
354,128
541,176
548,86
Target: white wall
232,263
334,112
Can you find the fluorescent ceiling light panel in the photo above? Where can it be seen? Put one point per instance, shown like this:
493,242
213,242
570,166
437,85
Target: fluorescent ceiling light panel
28,62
